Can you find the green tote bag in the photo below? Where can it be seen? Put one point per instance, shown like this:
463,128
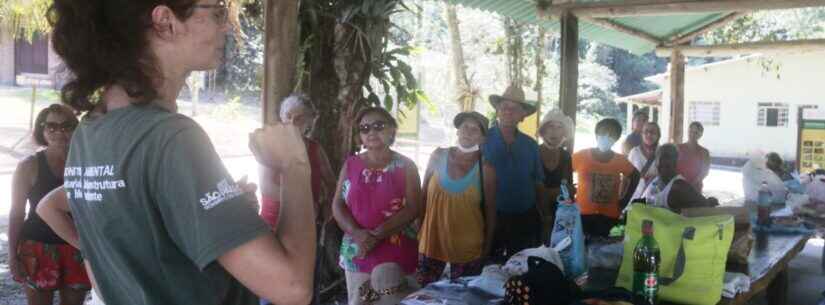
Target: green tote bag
693,253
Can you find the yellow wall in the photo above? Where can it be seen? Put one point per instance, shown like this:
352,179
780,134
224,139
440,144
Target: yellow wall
408,123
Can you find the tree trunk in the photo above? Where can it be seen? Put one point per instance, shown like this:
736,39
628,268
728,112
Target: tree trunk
541,68
515,46
281,47
465,96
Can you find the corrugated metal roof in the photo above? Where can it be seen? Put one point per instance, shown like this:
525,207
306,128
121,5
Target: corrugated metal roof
662,27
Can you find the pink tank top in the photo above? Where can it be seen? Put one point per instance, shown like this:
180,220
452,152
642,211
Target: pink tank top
373,197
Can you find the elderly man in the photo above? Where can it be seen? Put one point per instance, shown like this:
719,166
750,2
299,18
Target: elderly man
518,165
634,139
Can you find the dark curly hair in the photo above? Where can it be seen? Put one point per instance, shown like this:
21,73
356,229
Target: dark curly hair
39,122
104,43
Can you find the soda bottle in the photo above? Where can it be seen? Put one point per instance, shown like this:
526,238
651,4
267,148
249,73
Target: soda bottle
763,207
646,265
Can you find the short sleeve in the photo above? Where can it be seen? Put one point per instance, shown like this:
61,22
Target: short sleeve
204,211
576,161
625,167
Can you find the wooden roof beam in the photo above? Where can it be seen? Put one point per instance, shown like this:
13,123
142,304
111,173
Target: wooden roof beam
607,23
688,37
629,8
725,50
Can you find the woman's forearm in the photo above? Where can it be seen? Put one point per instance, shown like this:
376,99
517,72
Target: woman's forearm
54,210
397,222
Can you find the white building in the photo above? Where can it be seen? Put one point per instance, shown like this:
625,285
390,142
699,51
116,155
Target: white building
745,104
23,62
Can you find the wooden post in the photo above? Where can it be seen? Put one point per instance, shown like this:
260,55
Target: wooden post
629,115
677,96
280,54
33,104
569,84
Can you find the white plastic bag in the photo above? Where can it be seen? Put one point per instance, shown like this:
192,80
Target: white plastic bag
517,264
816,189
491,280
754,172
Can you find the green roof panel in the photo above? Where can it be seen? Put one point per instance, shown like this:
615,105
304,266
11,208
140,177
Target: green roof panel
662,27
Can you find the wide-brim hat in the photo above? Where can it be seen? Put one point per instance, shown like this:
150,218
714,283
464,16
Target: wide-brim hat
558,116
478,117
387,286
514,94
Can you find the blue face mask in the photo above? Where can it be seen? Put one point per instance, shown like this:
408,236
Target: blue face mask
604,143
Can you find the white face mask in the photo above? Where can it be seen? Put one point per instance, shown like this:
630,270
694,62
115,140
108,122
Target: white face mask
604,143
470,149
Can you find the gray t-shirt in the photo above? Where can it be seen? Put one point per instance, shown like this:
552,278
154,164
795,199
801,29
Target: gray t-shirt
155,207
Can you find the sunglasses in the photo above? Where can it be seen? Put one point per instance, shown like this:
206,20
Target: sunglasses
378,126
220,11
53,127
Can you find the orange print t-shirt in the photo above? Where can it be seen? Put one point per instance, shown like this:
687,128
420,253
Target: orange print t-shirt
599,183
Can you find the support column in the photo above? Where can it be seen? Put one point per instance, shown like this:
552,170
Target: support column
677,96
569,84
280,54
629,115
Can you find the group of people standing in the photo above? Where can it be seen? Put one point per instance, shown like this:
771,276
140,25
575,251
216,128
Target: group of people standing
141,207
494,193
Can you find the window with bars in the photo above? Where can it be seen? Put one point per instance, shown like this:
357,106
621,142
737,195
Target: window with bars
772,115
707,113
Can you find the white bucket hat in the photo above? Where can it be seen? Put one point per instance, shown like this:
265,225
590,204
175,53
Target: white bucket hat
387,286
558,116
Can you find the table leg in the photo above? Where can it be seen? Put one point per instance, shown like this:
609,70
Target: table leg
777,291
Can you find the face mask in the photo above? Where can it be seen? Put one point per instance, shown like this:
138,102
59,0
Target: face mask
604,143
470,149
548,145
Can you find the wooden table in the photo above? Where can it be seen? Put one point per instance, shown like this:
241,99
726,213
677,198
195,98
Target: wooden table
768,264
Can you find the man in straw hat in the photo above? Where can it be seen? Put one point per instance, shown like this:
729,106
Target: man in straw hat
518,165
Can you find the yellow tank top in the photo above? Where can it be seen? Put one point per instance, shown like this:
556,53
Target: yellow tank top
453,226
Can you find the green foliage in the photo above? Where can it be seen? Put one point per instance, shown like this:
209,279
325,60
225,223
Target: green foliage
229,111
242,72
804,23
24,18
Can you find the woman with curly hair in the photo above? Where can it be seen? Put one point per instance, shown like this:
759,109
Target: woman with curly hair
157,215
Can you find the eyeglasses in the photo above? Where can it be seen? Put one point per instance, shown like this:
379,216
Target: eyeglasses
378,126
53,127
220,11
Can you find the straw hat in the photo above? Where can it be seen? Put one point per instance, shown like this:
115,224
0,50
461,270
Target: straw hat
558,116
514,94
387,286
480,118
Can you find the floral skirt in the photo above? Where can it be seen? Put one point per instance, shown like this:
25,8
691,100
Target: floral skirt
51,266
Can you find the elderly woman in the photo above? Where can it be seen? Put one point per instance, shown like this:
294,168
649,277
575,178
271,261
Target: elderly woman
152,206
555,129
694,160
38,258
643,156
376,201
671,190
459,204
297,110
